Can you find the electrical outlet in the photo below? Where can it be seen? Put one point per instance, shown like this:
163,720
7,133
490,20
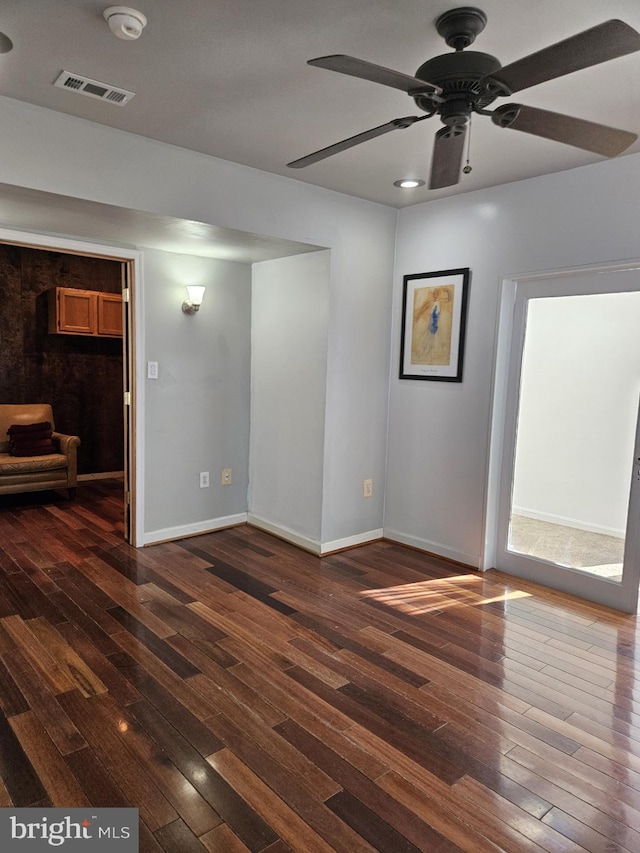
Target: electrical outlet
367,488
227,476
204,479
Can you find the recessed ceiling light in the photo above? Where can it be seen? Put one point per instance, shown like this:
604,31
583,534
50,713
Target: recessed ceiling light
409,183
5,43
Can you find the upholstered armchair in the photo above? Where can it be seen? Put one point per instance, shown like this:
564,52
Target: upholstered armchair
33,457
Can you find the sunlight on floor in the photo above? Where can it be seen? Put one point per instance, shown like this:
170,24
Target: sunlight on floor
429,596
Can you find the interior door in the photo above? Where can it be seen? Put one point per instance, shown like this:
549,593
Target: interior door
569,513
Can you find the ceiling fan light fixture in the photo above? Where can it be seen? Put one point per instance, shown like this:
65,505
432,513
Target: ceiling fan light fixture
409,183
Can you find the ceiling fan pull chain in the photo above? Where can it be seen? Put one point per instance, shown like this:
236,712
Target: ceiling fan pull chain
467,168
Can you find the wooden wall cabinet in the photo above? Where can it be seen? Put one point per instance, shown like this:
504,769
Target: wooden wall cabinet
85,312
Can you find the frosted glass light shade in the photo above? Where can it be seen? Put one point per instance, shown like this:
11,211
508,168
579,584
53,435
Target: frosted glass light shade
196,294
194,301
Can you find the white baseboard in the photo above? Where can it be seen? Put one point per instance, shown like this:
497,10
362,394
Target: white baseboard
304,542
169,534
474,561
313,545
568,522
350,541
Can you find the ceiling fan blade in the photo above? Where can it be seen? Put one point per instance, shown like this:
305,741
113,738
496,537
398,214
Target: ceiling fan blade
447,157
588,135
376,73
599,44
336,148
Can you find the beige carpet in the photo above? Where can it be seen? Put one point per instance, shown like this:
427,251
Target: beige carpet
567,546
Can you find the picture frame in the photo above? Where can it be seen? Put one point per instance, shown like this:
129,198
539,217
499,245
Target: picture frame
434,318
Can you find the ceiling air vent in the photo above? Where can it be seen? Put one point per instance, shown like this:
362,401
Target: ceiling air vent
93,88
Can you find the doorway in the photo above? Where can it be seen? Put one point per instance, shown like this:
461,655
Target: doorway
53,261
568,503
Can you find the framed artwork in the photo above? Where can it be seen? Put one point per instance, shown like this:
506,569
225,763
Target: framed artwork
434,314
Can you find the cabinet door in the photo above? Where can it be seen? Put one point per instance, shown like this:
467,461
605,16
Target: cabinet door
76,311
110,314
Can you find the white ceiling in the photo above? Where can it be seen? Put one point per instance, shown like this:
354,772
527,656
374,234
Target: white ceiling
229,78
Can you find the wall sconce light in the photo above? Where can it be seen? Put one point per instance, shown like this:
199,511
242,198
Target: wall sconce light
193,303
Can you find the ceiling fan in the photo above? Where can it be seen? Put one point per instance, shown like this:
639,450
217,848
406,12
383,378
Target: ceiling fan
463,83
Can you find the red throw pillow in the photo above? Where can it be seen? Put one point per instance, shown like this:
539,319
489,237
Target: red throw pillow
30,439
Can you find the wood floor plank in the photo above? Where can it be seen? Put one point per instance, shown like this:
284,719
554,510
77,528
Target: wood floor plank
61,785
164,674
37,655
270,755
630,758
394,820
417,744
192,808
337,738
5,799
292,828
514,830
177,714
178,836
249,697
239,815
12,700
280,750
45,706
129,775
443,813
19,777
116,684
69,662
586,837
95,780
223,840
584,782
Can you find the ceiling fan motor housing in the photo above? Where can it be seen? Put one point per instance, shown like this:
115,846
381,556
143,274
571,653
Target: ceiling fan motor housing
458,75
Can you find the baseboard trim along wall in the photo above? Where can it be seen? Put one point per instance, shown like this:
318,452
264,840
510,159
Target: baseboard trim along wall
320,549
304,542
169,534
471,560
350,542
313,546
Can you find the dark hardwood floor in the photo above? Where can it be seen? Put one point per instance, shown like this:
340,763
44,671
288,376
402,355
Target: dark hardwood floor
247,696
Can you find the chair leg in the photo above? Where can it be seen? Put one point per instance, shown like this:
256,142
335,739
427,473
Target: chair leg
72,493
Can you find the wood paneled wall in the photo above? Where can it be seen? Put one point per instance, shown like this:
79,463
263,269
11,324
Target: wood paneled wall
80,376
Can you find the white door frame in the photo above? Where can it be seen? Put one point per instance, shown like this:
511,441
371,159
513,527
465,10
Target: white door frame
135,346
504,325
503,369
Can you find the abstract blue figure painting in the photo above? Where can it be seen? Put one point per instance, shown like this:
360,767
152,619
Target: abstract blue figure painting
433,324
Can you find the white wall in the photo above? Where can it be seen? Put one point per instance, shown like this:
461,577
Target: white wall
197,411
290,299
62,154
578,407
439,432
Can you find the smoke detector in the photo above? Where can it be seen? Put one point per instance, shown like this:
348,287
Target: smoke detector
124,22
